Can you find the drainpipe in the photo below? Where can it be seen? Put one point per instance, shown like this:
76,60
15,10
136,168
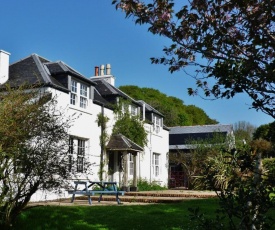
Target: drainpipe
151,157
102,145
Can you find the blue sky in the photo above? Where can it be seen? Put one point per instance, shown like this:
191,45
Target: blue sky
88,33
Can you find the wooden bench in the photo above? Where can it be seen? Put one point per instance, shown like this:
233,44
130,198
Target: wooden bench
89,193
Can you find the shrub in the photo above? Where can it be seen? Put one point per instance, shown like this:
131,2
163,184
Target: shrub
144,185
269,168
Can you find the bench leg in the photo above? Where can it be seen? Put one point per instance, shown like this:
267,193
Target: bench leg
117,199
89,199
100,197
72,200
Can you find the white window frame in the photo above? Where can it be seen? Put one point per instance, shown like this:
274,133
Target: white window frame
131,164
80,155
83,96
157,123
73,96
70,153
77,151
133,110
156,164
79,94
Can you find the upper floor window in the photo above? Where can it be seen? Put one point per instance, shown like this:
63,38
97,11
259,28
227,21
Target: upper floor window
73,92
79,94
83,96
157,122
133,110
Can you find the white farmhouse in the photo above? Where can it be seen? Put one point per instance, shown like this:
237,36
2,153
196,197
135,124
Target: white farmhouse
124,161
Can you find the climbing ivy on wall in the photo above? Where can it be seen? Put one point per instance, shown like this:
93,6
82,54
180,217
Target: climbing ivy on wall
128,125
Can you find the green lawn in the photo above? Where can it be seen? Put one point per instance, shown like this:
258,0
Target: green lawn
120,217
155,216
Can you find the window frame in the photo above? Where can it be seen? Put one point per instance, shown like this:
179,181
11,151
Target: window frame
131,164
156,164
73,95
81,144
79,94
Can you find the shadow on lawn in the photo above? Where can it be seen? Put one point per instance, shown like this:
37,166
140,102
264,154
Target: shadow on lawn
156,216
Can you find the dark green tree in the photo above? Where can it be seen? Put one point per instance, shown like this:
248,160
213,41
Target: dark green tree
33,149
175,112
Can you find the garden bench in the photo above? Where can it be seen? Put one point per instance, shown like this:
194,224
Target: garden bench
105,187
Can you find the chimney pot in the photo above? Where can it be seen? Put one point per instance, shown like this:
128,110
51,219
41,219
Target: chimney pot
102,70
96,70
108,69
4,66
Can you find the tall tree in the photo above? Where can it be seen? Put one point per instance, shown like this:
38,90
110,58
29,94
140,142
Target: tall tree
243,132
33,149
175,112
230,43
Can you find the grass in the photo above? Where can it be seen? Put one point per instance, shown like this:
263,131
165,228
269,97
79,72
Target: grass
173,216
155,216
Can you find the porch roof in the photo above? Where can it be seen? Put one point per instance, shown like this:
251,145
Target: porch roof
119,142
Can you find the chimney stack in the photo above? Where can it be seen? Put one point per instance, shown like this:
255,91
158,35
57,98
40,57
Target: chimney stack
4,66
108,69
102,70
96,70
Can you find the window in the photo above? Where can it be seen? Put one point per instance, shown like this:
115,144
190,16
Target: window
73,92
83,96
80,155
77,149
71,152
79,94
133,110
156,164
131,164
157,123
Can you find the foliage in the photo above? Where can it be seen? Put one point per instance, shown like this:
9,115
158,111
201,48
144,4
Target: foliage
33,149
269,167
247,197
103,138
263,146
266,133
243,132
230,44
144,185
175,112
198,220
200,152
129,125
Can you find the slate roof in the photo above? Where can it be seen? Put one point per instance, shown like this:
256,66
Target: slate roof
36,70
180,136
106,90
119,142
201,129
149,108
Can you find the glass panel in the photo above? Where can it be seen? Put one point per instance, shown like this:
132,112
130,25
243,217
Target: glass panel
73,99
74,86
83,90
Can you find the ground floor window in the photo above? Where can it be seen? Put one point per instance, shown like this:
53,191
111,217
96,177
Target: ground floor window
77,148
131,164
156,164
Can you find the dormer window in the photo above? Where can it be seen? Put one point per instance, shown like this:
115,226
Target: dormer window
133,110
83,96
79,94
73,92
157,123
